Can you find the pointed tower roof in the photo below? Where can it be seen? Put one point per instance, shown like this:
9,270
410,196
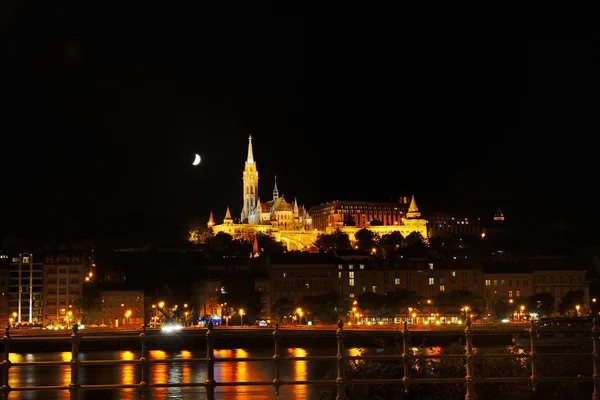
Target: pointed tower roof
250,158
413,210
255,250
275,191
211,220
228,215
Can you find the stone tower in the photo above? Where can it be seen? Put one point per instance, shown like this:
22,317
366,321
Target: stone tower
250,185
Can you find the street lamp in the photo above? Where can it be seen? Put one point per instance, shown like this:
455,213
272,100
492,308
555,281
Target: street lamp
299,312
577,307
241,312
161,304
127,315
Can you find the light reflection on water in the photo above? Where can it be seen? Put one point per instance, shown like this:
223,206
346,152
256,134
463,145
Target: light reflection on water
173,373
184,372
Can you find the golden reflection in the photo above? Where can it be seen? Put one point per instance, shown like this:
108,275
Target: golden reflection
160,371
242,367
355,351
300,373
65,356
128,371
186,354
224,371
186,370
14,357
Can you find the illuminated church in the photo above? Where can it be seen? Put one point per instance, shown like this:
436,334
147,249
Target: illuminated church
287,222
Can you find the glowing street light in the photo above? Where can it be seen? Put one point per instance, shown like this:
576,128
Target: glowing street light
241,312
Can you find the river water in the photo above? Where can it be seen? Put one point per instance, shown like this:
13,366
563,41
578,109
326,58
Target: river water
175,373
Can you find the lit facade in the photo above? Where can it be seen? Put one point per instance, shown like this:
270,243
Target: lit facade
206,294
411,222
504,286
122,308
299,280
440,224
427,279
26,277
360,214
286,222
64,277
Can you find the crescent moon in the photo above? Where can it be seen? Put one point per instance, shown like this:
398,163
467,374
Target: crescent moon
197,160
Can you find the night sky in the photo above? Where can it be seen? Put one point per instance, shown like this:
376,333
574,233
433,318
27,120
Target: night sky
470,110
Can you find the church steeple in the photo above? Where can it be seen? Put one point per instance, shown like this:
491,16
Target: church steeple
250,188
275,191
413,210
250,158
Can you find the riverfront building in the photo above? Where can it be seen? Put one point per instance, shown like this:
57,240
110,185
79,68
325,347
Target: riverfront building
122,308
26,278
64,277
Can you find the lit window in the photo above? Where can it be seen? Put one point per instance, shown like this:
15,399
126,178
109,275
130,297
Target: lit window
339,274
431,281
510,293
361,266
430,265
351,295
453,273
442,288
351,282
374,289
350,266
488,282
396,281
340,266
351,274
518,293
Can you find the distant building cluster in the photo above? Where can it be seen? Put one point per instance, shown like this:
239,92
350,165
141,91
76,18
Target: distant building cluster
298,227
46,289
297,277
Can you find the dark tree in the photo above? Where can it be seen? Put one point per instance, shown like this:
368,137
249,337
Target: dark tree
570,300
283,307
324,306
415,245
337,241
391,243
366,239
542,303
268,245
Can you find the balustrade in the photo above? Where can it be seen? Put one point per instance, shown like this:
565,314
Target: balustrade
75,388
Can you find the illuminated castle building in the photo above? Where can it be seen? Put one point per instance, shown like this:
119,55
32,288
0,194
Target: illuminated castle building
380,218
286,222
294,225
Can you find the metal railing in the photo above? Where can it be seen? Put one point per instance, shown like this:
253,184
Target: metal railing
341,358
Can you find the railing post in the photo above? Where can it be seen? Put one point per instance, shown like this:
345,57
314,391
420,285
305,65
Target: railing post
74,386
469,378
144,361
533,354
209,383
406,357
596,361
276,358
6,364
341,391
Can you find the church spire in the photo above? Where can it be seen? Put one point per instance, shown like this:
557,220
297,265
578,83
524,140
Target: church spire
275,191
255,250
413,210
250,158
211,220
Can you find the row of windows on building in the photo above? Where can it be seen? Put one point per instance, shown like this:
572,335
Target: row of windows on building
566,280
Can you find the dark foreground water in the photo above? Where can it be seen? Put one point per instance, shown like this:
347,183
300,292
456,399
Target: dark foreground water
175,373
